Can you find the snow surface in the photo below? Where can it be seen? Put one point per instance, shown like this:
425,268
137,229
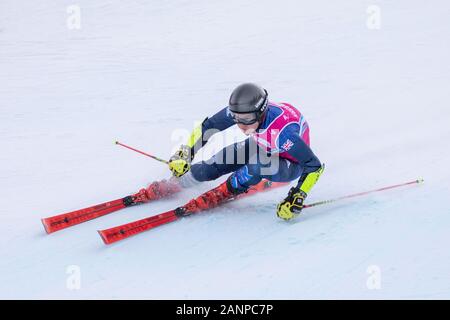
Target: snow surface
143,72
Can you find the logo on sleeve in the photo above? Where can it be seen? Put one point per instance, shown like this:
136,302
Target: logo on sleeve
287,145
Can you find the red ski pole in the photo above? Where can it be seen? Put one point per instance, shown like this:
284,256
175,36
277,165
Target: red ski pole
362,193
142,152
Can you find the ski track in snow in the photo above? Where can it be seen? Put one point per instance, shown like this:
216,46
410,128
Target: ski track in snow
141,73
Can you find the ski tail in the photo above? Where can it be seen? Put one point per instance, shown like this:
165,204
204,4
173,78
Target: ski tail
129,229
65,220
155,191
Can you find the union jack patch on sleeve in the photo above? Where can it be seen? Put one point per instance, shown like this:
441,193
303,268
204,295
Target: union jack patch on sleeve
287,145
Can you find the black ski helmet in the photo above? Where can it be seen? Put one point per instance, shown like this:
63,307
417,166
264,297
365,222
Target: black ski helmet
249,98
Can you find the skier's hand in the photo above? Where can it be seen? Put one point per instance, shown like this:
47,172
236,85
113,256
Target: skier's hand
292,205
180,162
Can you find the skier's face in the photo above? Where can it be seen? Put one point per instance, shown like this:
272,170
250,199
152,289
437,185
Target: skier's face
248,129
247,122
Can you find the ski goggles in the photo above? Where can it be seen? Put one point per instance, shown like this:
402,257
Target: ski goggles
244,118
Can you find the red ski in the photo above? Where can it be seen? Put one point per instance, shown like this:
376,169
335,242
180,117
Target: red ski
155,191
206,201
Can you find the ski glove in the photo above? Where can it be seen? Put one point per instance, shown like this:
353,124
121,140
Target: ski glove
292,205
180,162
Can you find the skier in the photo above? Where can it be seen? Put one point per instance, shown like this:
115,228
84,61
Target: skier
277,150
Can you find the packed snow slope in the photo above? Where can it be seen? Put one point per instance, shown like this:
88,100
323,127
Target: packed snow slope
143,72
